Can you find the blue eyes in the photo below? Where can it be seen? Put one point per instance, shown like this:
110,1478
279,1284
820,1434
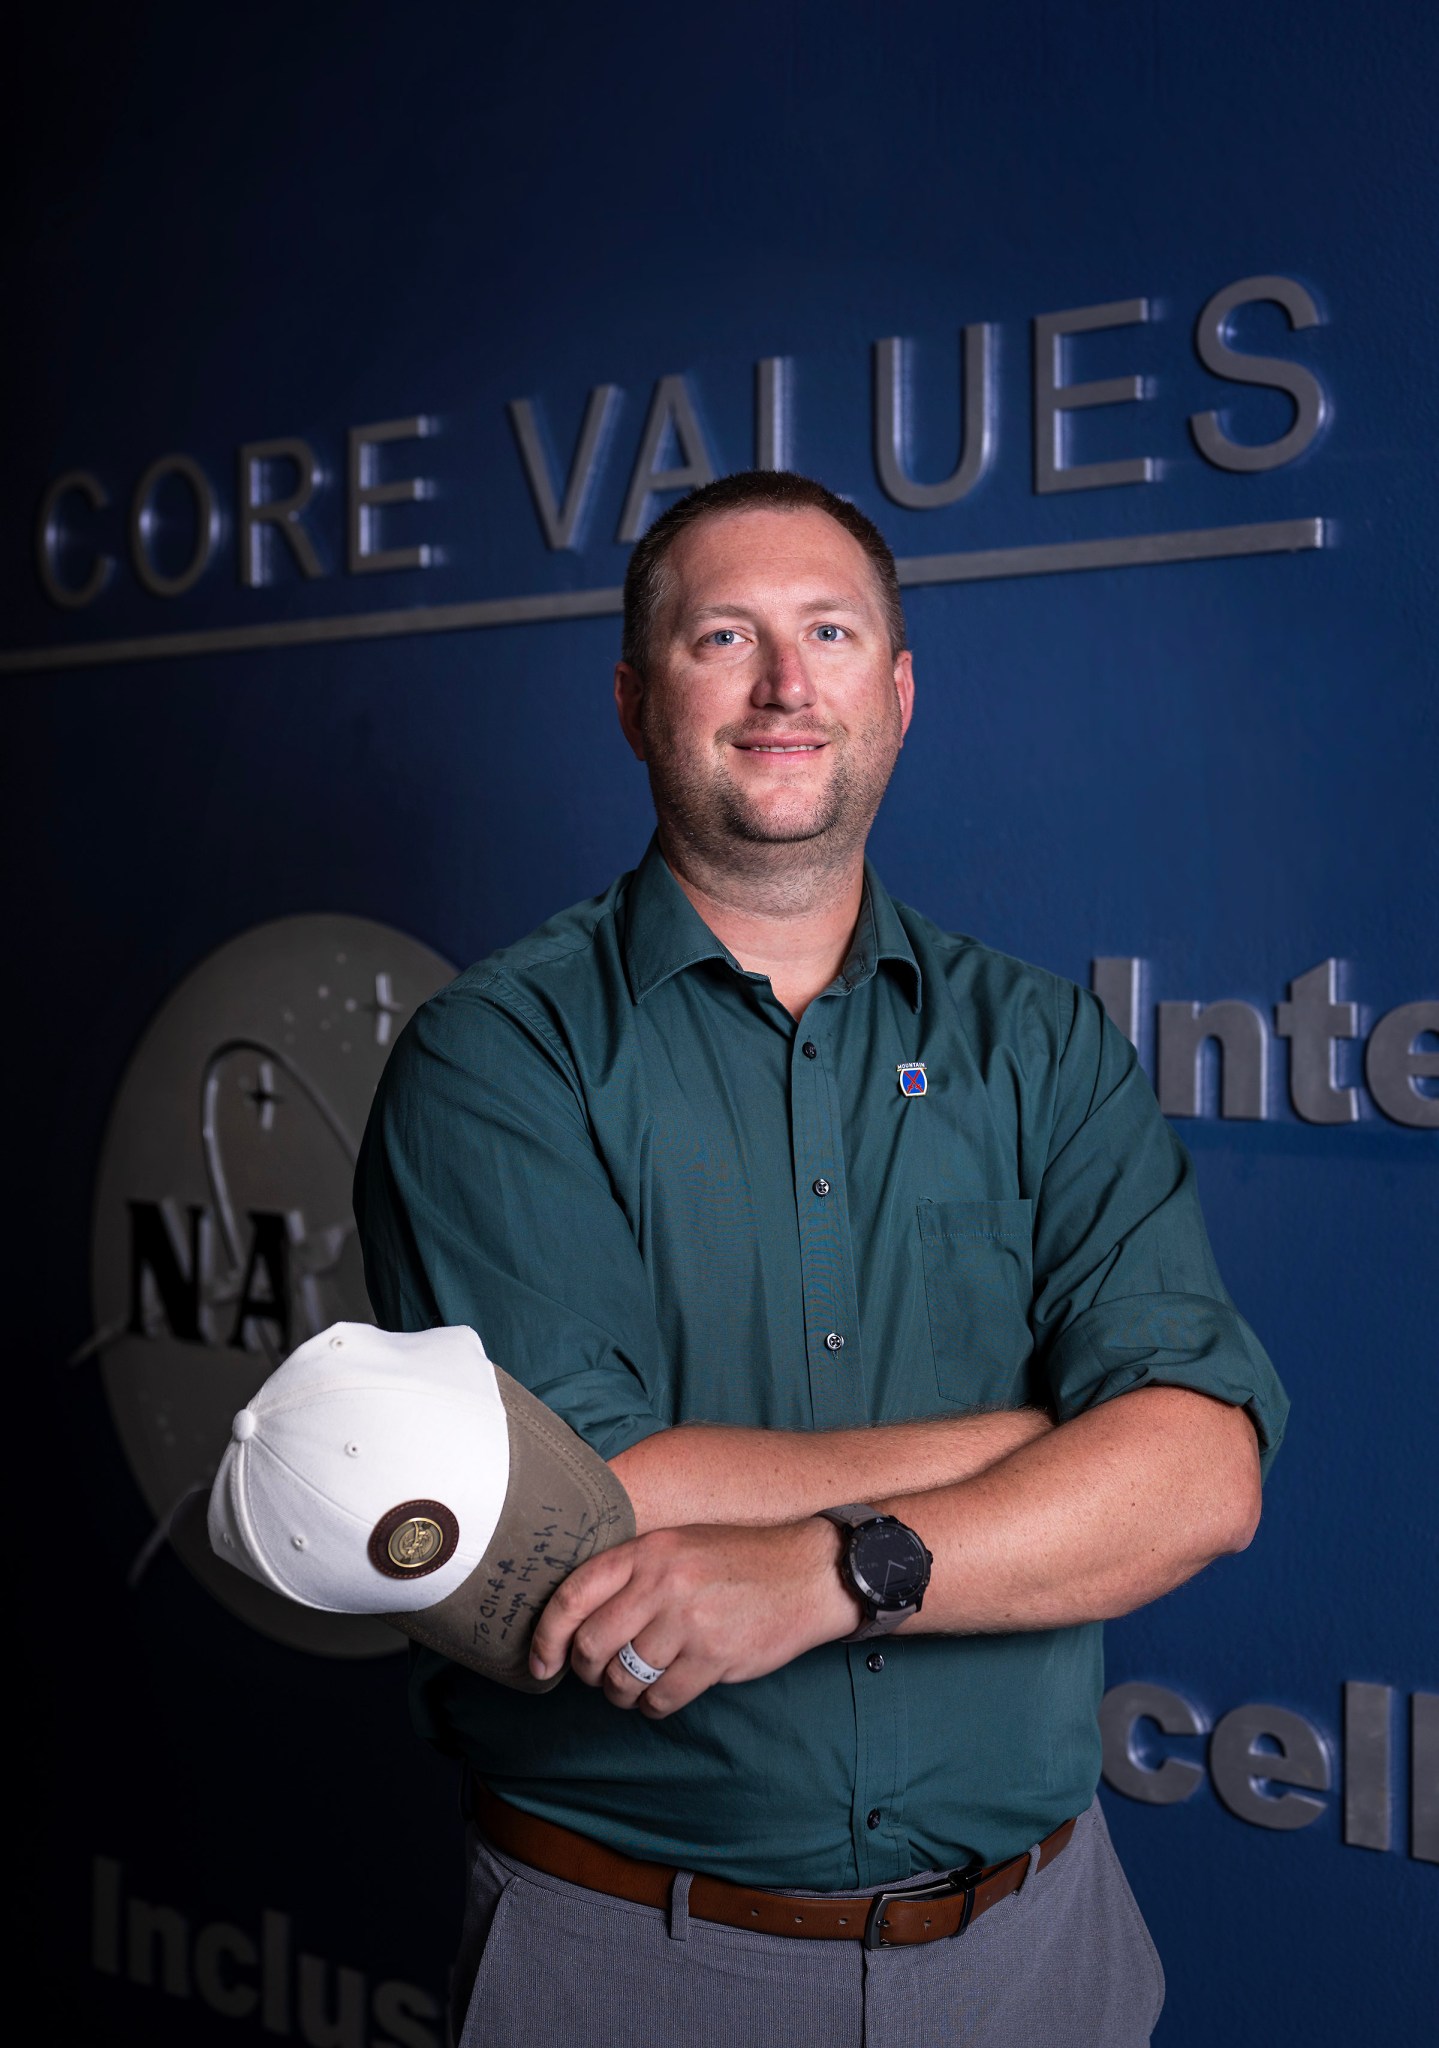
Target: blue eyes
728,636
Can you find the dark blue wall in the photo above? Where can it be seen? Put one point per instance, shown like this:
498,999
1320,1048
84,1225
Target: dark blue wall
307,220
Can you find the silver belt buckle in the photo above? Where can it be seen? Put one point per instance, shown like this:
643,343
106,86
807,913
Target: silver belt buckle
957,1884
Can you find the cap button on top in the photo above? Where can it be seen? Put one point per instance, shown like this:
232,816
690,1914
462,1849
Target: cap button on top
244,1425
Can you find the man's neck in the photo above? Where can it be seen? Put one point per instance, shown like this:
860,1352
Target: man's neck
793,924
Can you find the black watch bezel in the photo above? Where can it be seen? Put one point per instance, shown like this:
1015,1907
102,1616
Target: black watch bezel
906,1598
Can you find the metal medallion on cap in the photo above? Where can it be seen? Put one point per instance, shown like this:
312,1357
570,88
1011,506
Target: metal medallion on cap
413,1539
415,1542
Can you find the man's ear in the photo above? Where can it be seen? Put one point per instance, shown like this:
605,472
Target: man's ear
904,689
629,702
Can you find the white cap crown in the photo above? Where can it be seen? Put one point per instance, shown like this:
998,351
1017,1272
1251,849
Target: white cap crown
357,1429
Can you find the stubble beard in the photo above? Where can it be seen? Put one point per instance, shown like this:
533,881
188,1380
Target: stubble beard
793,844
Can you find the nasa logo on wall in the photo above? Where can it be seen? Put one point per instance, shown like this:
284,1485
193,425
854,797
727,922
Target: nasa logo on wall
223,1234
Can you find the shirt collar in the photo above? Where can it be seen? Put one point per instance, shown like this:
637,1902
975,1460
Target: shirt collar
664,933
880,935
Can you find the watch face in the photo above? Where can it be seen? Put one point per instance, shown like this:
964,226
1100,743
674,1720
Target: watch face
889,1564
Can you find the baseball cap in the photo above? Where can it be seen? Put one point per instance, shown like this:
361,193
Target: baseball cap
405,1475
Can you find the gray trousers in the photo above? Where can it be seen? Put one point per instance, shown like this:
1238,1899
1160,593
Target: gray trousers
545,1964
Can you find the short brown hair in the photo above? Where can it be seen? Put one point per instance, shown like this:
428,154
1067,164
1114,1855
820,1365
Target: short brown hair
777,490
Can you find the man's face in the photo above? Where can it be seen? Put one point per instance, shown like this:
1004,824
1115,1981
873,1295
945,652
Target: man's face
773,709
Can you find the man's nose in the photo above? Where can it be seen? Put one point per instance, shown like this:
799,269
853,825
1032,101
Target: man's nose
783,680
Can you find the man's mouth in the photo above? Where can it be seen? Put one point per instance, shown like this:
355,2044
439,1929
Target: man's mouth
787,747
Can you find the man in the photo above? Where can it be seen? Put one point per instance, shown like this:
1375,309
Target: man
789,1202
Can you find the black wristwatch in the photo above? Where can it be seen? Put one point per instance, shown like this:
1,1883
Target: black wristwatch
884,1565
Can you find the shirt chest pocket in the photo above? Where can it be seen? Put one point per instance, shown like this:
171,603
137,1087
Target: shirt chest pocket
978,1280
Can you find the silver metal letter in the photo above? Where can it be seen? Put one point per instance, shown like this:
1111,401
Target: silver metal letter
1117,981
1424,1777
216,1948
773,404
367,493
563,525
1053,399
1238,1768
1367,1710
1120,1712
1392,1065
671,409
1211,339
892,379
1243,1040
105,1915
48,537
259,516
142,525
1312,1020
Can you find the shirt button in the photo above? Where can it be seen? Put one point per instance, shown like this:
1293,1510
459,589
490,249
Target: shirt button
873,1818
875,1660
821,1186
834,1341
810,1049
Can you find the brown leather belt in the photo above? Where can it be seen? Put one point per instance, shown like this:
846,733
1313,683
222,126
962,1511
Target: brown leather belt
889,1919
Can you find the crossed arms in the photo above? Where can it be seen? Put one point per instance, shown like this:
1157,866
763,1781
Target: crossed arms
1031,1527
482,1186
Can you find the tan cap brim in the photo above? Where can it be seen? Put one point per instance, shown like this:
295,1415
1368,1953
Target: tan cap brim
562,1505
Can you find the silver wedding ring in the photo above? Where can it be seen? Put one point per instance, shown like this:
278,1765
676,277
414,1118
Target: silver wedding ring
636,1666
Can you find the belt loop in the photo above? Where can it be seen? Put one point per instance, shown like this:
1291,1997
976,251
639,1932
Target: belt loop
1030,1867
680,1905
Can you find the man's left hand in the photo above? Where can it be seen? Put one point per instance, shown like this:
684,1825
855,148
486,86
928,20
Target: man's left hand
706,1605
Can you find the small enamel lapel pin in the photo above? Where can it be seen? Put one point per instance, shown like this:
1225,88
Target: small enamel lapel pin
912,1079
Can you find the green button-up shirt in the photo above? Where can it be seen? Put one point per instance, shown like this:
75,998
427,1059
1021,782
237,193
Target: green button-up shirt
658,1199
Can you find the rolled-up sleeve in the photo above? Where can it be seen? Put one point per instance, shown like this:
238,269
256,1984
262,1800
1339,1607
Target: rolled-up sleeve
1127,1293
480,1199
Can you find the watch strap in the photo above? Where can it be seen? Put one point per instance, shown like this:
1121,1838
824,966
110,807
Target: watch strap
880,1623
879,1620
852,1517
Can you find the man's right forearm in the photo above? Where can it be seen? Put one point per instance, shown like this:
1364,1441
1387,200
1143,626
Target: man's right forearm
713,1473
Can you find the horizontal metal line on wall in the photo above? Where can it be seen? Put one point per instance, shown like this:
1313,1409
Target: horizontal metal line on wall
975,565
